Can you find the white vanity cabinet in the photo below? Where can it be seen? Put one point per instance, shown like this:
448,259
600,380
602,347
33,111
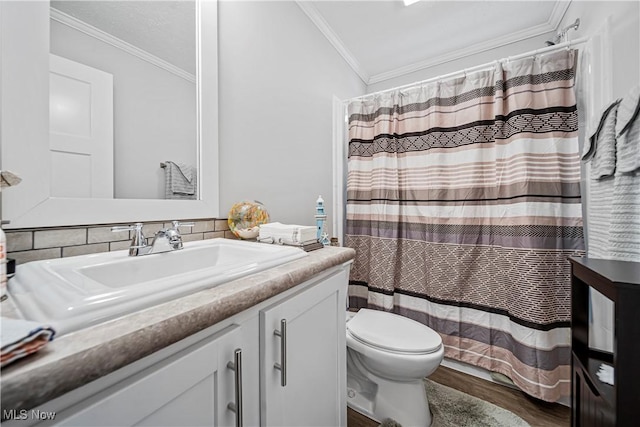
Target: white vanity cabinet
194,387
193,382
302,357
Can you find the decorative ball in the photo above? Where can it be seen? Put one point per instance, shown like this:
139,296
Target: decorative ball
245,217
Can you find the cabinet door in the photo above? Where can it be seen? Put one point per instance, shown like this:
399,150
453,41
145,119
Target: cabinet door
191,388
590,408
314,359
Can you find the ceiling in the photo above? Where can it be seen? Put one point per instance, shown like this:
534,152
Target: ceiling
378,39
385,39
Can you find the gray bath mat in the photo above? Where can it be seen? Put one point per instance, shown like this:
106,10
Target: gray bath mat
453,408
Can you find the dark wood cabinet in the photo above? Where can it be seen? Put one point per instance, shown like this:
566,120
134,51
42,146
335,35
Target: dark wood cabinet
595,403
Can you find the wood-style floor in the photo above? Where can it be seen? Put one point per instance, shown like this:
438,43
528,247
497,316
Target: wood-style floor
535,412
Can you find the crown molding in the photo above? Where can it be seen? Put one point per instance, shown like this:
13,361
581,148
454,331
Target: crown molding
552,24
310,10
96,33
558,12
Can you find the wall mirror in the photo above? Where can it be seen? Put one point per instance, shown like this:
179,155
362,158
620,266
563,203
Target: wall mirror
97,97
137,60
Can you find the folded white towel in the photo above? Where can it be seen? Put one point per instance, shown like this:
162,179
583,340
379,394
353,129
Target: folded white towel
289,234
605,374
20,338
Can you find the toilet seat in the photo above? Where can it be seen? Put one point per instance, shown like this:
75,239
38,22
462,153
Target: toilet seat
391,332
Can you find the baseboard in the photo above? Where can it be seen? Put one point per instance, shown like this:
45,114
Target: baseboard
468,369
362,411
484,374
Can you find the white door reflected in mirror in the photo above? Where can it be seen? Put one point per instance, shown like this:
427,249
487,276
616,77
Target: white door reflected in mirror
81,130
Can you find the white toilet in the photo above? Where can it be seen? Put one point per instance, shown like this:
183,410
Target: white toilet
387,358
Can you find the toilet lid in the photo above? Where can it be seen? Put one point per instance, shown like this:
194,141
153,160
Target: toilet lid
393,332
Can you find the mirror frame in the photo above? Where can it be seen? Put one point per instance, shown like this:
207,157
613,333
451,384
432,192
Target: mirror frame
24,131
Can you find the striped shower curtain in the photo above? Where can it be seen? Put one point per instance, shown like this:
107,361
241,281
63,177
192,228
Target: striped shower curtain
463,204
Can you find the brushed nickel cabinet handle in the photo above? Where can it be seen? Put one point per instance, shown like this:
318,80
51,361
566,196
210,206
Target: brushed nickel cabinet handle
236,366
282,366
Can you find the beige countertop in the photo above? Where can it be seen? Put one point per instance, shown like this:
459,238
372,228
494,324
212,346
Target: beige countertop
80,357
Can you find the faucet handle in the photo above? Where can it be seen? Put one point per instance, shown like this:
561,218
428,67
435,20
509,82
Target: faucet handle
138,240
173,233
177,224
135,227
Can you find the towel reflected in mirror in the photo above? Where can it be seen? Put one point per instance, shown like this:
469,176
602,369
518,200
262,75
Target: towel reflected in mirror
181,182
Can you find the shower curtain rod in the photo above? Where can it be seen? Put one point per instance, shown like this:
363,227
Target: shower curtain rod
487,65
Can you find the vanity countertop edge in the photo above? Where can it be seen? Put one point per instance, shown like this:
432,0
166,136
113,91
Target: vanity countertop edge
81,357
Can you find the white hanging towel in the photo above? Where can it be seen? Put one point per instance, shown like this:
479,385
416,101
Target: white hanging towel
180,181
624,228
600,153
613,211
628,133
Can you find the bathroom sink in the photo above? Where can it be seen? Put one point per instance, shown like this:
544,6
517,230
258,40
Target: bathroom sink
76,292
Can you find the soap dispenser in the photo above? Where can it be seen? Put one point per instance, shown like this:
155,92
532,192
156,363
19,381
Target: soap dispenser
321,221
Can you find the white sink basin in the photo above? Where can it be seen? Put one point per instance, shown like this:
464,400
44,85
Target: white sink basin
73,293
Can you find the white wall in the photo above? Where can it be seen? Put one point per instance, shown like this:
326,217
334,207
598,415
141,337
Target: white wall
511,49
154,112
625,36
278,74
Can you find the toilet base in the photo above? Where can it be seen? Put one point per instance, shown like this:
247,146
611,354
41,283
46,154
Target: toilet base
379,399
361,404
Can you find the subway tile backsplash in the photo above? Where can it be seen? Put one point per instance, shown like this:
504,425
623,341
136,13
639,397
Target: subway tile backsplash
26,245
104,234
20,241
85,249
43,239
35,255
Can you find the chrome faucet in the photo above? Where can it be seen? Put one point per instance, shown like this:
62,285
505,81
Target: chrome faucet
165,240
